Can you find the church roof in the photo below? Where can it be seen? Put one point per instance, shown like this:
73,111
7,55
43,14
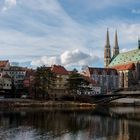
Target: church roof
129,66
126,57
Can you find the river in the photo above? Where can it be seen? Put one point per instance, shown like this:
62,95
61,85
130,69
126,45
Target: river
101,123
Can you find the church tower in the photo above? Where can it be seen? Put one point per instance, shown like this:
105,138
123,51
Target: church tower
116,47
107,51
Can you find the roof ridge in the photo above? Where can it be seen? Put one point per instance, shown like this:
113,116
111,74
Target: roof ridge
128,51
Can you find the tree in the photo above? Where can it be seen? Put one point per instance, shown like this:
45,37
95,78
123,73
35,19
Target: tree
44,80
77,84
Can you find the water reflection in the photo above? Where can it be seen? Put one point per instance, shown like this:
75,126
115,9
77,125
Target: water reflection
98,124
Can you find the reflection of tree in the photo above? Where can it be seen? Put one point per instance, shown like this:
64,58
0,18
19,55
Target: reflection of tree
134,131
56,123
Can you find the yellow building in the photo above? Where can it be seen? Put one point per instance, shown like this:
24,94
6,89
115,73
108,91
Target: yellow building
60,81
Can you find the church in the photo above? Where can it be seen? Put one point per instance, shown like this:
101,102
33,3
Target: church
127,63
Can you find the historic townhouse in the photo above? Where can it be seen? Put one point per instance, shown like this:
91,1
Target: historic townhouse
5,82
4,65
60,83
17,74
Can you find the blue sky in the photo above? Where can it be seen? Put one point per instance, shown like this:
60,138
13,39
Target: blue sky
67,32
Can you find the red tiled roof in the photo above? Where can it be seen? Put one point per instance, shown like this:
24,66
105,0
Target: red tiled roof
129,66
3,63
57,69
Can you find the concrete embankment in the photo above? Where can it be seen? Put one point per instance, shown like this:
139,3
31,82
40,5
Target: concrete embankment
126,102
12,103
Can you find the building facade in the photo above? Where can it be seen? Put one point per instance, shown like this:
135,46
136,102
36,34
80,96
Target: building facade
60,82
94,88
18,75
5,82
127,64
4,65
106,78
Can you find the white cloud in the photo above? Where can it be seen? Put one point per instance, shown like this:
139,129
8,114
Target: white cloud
124,50
68,58
47,61
8,4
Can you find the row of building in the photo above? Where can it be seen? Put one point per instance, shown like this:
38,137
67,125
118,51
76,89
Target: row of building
11,76
19,78
122,70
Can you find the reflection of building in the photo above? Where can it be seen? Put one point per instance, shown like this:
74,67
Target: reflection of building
127,64
60,82
106,78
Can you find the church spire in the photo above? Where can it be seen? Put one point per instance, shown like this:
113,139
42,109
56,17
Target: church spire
116,40
116,47
107,51
138,42
107,38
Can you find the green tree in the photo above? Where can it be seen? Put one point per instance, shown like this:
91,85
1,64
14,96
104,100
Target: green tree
44,80
77,84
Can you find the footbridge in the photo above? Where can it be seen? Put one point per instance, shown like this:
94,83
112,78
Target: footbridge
107,98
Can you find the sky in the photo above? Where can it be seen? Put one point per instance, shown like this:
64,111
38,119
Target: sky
71,33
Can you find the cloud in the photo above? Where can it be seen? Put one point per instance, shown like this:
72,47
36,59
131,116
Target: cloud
68,59
124,50
47,61
8,4
45,28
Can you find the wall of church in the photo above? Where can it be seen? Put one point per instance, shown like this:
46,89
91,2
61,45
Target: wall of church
106,82
129,78
138,72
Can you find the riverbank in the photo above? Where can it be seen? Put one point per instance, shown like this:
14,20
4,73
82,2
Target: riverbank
25,103
17,103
